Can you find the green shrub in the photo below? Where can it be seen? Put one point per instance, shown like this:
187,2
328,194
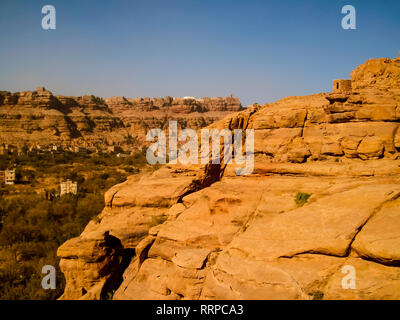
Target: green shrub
316,295
301,198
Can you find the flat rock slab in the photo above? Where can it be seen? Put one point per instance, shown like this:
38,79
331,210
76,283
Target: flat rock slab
325,226
373,281
379,240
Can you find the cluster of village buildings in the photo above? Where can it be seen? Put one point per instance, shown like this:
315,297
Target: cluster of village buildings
11,149
9,176
66,187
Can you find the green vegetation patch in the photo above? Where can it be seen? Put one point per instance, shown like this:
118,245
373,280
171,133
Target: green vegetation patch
33,226
301,198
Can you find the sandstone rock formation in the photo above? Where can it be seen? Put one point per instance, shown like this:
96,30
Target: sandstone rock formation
142,114
377,74
205,233
39,117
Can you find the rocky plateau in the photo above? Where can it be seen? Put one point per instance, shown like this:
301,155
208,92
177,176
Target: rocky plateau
38,117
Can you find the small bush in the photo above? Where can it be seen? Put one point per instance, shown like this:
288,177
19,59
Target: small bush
301,198
316,295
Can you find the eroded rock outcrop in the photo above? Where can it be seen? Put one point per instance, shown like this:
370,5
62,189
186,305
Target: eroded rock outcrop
40,118
132,209
377,74
142,114
224,236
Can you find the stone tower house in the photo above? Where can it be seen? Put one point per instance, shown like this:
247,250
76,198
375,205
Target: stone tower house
342,86
68,187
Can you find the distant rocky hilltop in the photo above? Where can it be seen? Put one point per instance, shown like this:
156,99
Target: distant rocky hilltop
324,198
41,118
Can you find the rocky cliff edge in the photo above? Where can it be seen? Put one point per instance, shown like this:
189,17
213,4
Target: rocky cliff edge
204,233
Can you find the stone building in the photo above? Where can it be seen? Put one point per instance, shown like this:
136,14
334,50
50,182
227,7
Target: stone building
342,86
79,149
9,177
56,148
7,149
68,187
122,155
113,149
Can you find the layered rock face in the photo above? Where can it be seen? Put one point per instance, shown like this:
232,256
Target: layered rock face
378,74
39,117
142,114
205,233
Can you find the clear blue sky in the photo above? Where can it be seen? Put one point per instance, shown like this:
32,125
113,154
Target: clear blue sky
257,50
